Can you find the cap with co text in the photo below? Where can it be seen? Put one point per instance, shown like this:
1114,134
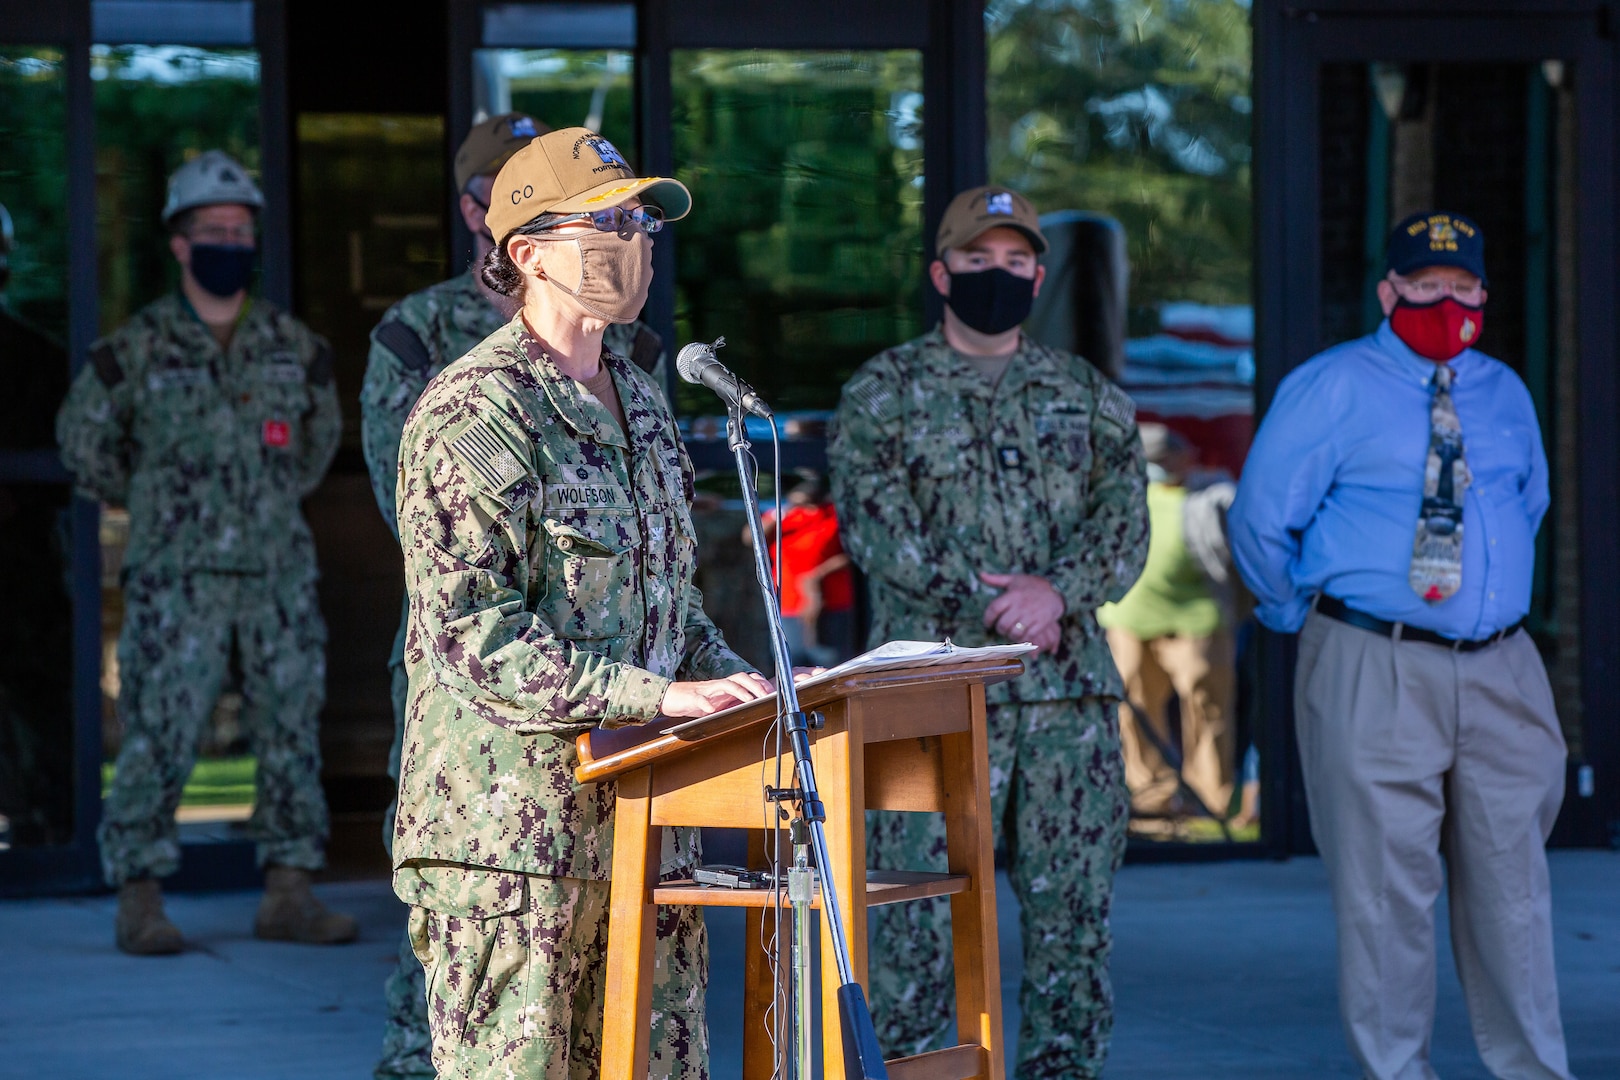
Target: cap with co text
573,171
491,142
1437,238
978,210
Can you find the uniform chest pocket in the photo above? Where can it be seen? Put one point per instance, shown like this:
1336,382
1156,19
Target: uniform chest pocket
274,407
1064,436
936,450
179,402
590,575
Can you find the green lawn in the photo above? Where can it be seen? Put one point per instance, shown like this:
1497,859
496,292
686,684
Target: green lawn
214,782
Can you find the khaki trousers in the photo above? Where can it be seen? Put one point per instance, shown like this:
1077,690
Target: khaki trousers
1201,672
1410,752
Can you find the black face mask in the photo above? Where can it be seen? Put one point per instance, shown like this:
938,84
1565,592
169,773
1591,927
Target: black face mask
222,269
991,301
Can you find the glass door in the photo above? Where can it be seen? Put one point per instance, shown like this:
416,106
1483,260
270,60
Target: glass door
38,738
1134,136
95,111
1505,121
806,151
157,105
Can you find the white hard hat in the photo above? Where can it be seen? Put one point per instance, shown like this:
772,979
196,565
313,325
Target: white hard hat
209,179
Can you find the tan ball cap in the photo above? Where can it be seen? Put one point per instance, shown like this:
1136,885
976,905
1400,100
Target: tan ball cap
978,210
574,171
491,142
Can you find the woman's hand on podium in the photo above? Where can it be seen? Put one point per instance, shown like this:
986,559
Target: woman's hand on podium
802,673
712,695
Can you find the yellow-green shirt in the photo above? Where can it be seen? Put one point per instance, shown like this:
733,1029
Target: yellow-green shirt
1172,595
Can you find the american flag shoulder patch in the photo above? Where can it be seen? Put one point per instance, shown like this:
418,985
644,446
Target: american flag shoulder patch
485,452
1116,405
870,394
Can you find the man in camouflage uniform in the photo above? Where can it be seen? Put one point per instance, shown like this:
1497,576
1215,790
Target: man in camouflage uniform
993,489
418,338
210,416
544,512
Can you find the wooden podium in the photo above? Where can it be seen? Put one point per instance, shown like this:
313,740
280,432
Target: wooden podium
897,739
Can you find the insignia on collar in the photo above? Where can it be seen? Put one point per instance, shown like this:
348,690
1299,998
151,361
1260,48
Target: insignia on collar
483,451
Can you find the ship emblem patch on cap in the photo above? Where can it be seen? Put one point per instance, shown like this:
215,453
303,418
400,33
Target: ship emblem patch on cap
523,128
998,202
611,158
1442,237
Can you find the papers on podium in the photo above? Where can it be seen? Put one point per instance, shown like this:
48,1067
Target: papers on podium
886,657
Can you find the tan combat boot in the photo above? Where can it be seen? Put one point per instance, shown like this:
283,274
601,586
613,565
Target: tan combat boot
290,912
141,928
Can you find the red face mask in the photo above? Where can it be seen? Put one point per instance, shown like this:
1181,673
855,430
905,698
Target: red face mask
1439,330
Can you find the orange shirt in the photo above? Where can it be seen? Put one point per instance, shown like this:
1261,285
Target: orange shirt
810,538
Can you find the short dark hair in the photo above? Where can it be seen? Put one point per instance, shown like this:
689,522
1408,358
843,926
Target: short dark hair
180,224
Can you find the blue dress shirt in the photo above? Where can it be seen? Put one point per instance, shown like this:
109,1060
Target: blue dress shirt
1331,490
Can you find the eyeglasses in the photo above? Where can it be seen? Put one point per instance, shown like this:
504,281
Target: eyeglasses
240,235
1431,289
615,219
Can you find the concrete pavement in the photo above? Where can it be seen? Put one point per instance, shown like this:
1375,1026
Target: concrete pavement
1221,970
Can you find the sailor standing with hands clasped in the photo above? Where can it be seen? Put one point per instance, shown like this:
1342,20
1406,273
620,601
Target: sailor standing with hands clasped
210,415
993,490
544,511
1388,512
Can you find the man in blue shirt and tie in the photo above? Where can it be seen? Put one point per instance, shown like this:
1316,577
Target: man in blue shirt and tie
1388,512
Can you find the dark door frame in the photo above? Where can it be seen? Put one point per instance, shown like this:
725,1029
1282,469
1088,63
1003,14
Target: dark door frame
1292,40
73,866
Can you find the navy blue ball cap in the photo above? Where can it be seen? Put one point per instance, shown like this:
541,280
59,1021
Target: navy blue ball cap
1437,238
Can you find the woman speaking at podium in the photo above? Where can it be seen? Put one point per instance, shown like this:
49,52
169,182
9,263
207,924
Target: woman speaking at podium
544,510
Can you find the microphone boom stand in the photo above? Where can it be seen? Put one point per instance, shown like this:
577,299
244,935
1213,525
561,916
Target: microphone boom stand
863,1060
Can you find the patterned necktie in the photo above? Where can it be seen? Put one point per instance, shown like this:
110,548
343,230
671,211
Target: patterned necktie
1437,552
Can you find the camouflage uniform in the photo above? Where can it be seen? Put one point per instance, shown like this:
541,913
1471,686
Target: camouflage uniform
548,569
211,450
416,339
938,475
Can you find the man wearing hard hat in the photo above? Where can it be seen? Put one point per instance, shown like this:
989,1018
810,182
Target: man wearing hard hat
210,415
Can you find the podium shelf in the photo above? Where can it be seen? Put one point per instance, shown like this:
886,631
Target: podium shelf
953,1063
882,887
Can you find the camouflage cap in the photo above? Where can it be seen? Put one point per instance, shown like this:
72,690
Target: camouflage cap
571,171
978,210
491,142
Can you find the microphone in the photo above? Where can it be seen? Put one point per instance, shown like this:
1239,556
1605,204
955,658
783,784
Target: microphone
697,364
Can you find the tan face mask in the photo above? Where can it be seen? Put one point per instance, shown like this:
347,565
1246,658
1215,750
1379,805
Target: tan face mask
611,276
